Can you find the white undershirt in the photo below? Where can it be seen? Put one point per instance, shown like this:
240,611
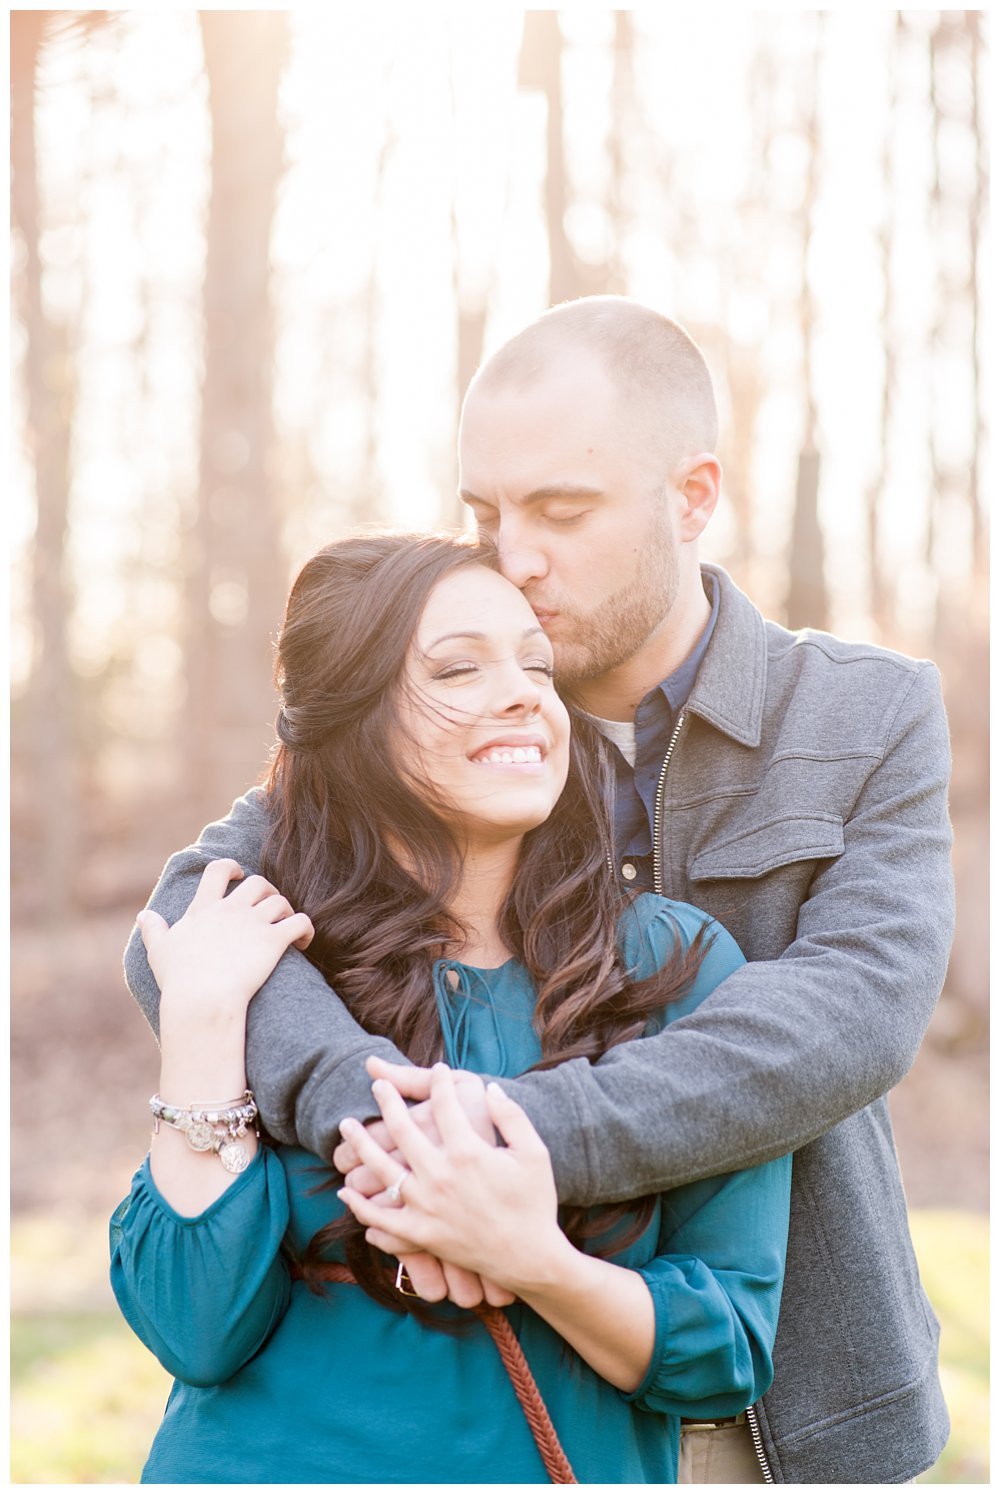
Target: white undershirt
621,733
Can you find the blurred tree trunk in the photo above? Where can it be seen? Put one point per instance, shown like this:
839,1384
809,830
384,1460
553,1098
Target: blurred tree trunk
237,576
957,211
740,358
47,739
937,330
541,68
878,592
621,142
365,506
470,332
471,292
957,207
807,605
746,391
976,219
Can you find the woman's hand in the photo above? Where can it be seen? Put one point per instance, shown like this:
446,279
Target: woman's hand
490,1210
209,965
432,1279
215,958
493,1211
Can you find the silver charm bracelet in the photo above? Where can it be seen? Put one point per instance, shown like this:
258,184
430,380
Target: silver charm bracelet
211,1126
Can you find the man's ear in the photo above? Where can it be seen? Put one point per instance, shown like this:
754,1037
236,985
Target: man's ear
699,482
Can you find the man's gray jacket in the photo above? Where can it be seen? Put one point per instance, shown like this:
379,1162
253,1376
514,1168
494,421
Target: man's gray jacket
804,806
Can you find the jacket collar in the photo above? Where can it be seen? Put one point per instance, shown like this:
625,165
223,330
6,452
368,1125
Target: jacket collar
729,688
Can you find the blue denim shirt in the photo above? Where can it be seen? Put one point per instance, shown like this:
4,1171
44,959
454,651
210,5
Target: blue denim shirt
655,719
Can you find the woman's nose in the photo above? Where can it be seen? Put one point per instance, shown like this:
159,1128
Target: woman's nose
517,694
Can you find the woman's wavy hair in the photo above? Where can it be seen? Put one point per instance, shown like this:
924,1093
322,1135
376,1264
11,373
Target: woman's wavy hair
338,800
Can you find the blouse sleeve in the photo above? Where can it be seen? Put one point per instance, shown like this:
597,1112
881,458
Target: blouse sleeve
204,1293
716,1289
716,1279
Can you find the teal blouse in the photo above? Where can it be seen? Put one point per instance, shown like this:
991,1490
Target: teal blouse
275,1384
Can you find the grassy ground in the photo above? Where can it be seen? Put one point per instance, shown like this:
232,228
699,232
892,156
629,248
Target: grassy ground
953,1251
86,1396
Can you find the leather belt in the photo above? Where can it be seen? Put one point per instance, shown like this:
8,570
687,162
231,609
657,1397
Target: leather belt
715,1421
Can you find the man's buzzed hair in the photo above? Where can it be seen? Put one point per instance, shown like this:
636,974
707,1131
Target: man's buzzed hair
659,368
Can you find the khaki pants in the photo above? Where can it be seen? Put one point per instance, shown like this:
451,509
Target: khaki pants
722,1455
718,1455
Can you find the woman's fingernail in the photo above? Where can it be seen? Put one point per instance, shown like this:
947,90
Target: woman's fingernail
349,1123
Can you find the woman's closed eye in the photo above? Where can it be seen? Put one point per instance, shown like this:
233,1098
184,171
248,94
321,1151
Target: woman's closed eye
463,668
456,671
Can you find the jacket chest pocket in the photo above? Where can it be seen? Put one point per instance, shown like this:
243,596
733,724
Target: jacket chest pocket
762,848
755,880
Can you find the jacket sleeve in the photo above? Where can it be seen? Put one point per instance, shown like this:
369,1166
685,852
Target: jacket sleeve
716,1289
305,1052
203,1293
783,1050
717,1275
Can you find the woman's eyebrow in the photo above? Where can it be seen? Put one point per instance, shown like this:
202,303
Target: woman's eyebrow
478,637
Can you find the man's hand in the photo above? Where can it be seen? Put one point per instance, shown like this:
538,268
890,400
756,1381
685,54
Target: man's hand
492,1210
432,1279
413,1084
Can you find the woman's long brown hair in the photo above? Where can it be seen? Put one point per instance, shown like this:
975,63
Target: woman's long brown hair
337,798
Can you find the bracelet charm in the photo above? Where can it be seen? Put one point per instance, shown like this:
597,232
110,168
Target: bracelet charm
199,1135
234,1157
211,1126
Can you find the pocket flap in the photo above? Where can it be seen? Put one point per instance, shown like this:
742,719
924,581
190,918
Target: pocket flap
776,842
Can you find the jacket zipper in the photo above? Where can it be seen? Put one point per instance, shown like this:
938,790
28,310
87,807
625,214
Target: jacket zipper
752,1422
658,808
758,1444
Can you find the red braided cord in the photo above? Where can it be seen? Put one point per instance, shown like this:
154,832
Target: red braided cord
557,1465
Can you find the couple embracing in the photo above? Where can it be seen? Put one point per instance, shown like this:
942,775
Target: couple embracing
634,906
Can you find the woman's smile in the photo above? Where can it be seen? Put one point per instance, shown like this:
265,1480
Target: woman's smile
482,693
512,753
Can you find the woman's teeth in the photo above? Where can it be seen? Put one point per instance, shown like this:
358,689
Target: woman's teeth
510,755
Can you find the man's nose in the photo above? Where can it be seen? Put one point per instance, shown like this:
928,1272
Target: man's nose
521,558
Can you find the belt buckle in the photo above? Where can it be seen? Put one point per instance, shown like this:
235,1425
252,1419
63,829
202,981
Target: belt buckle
403,1282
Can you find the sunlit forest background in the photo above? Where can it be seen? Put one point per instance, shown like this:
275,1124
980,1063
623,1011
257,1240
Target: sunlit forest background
257,256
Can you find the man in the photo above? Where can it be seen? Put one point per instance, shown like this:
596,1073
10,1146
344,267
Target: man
794,786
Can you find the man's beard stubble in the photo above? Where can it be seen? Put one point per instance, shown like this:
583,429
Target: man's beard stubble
615,632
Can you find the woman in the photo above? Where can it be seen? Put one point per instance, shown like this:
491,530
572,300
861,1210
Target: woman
445,843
